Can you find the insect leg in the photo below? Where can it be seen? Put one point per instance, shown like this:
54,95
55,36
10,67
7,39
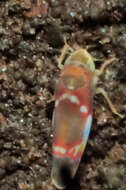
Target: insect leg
64,52
113,109
100,71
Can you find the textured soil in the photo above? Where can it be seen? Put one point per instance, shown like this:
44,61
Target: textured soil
31,39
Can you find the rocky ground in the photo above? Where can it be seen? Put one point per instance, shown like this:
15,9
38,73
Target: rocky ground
31,38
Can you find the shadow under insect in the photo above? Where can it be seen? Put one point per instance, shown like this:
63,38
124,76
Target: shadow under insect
69,182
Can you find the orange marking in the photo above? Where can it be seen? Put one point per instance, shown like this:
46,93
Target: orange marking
74,71
62,131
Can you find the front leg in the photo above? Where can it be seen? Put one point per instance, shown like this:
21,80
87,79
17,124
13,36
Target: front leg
64,52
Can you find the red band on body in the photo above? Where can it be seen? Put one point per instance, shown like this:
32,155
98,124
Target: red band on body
73,151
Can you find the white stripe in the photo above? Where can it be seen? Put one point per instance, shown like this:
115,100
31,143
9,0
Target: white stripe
59,149
69,97
83,109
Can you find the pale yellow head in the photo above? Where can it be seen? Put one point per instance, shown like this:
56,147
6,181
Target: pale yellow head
81,56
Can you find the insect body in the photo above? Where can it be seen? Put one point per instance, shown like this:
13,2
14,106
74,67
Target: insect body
72,115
